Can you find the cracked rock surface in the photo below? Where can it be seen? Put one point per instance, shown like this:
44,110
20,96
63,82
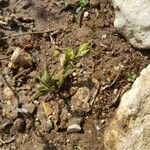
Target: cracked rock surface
130,127
133,22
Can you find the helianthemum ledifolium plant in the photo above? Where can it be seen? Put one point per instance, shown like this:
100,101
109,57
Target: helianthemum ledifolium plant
53,82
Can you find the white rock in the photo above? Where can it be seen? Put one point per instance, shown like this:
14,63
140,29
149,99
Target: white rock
130,127
74,128
133,21
104,36
102,121
86,14
74,74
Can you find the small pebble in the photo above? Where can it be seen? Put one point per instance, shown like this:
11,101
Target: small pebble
74,74
86,14
102,121
115,91
74,82
50,124
28,19
36,102
61,103
74,128
79,65
45,35
84,72
104,36
98,128
72,91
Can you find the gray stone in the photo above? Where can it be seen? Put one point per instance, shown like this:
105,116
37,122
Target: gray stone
74,128
29,107
133,21
79,103
50,123
130,127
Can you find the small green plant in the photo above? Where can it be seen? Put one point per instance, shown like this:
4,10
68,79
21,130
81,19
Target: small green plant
45,83
131,77
81,5
53,82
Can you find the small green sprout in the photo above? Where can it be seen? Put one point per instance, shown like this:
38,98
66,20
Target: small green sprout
53,82
83,50
131,77
81,4
68,66
45,83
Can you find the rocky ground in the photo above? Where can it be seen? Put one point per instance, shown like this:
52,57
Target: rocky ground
35,34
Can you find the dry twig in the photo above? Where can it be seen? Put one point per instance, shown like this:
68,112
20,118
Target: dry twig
5,58
26,33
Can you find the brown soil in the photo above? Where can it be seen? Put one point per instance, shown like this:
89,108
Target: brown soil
110,60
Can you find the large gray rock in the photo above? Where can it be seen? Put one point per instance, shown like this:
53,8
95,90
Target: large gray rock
130,127
133,21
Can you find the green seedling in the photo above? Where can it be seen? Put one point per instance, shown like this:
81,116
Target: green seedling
54,82
131,77
45,83
81,5
68,64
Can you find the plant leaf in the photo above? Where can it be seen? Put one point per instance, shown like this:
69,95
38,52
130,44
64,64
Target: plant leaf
45,85
69,58
70,54
131,77
60,81
68,70
59,78
83,50
46,78
82,3
41,90
78,9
